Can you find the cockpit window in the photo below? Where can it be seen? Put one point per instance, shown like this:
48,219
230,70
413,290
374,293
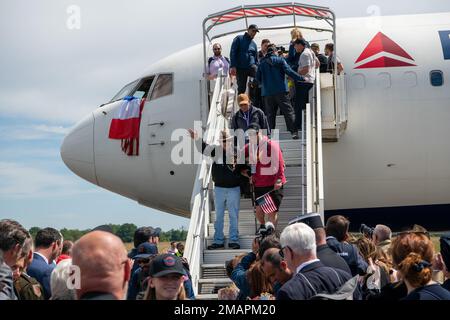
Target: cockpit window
144,87
163,86
125,91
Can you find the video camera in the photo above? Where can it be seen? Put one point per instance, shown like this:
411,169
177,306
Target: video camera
366,230
281,50
268,230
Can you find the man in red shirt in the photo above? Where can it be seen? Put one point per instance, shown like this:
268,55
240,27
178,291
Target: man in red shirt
267,171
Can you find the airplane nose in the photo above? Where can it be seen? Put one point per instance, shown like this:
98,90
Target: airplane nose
77,149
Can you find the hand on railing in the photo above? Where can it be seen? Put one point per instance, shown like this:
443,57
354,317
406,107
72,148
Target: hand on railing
193,134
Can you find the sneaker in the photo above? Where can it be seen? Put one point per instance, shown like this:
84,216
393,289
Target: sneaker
215,246
234,246
295,136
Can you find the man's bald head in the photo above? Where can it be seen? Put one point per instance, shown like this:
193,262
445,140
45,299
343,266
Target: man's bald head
104,266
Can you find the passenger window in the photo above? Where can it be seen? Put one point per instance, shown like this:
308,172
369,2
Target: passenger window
436,78
384,80
409,79
163,86
144,87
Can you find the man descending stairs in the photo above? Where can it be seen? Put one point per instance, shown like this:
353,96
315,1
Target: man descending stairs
213,274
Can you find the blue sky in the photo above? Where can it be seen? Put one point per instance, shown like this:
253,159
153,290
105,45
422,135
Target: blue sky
52,76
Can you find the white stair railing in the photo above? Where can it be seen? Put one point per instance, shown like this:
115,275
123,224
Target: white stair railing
314,156
200,199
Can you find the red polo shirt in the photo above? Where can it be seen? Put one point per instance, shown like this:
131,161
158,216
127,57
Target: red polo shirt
269,164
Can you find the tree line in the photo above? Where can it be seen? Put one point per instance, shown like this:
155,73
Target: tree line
123,231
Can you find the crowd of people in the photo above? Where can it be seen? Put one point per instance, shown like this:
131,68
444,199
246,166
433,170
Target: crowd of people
95,267
310,261
275,79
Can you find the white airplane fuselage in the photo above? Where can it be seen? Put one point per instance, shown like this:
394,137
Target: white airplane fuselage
395,151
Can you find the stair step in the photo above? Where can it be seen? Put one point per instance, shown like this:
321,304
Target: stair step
221,255
211,286
288,202
245,241
212,271
211,296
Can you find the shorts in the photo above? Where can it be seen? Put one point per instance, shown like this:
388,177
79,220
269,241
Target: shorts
276,195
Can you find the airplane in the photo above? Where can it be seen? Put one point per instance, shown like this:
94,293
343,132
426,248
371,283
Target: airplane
391,165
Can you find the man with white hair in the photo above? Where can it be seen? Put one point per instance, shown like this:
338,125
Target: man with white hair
311,277
381,237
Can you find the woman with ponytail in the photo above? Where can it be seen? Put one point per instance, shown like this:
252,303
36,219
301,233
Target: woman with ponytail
412,254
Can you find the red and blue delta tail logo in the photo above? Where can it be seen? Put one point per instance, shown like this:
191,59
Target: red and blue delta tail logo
383,52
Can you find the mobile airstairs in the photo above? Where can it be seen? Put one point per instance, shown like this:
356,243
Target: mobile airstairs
303,159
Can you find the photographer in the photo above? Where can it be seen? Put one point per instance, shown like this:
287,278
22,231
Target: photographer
337,234
381,237
240,274
271,75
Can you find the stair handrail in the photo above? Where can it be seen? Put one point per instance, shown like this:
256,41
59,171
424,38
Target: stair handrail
314,153
200,193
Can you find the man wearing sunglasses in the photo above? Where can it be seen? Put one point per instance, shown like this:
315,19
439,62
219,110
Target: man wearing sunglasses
311,277
217,61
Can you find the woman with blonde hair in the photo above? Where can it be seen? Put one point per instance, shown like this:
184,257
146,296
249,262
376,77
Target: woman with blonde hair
293,56
166,279
412,254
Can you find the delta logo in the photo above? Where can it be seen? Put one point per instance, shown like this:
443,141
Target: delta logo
383,52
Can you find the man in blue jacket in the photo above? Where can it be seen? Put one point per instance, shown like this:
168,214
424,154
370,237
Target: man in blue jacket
48,243
272,77
243,56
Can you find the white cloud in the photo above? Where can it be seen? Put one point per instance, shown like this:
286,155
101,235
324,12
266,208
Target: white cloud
32,132
24,181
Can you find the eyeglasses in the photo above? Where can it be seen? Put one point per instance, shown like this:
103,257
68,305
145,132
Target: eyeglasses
281,252
215,49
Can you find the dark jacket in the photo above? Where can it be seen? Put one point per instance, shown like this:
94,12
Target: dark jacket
294,56
311,280
239,275
223,174
323,63
41,271
271,75
446,284
391,292
331,259
6,282
243,53
430,292
256,118
350,254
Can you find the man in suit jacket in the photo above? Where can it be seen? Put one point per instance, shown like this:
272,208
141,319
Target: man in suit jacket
311,276
48,243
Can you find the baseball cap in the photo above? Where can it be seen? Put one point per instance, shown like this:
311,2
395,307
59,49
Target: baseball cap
166,264
147,248
313,220
243,99
253,26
